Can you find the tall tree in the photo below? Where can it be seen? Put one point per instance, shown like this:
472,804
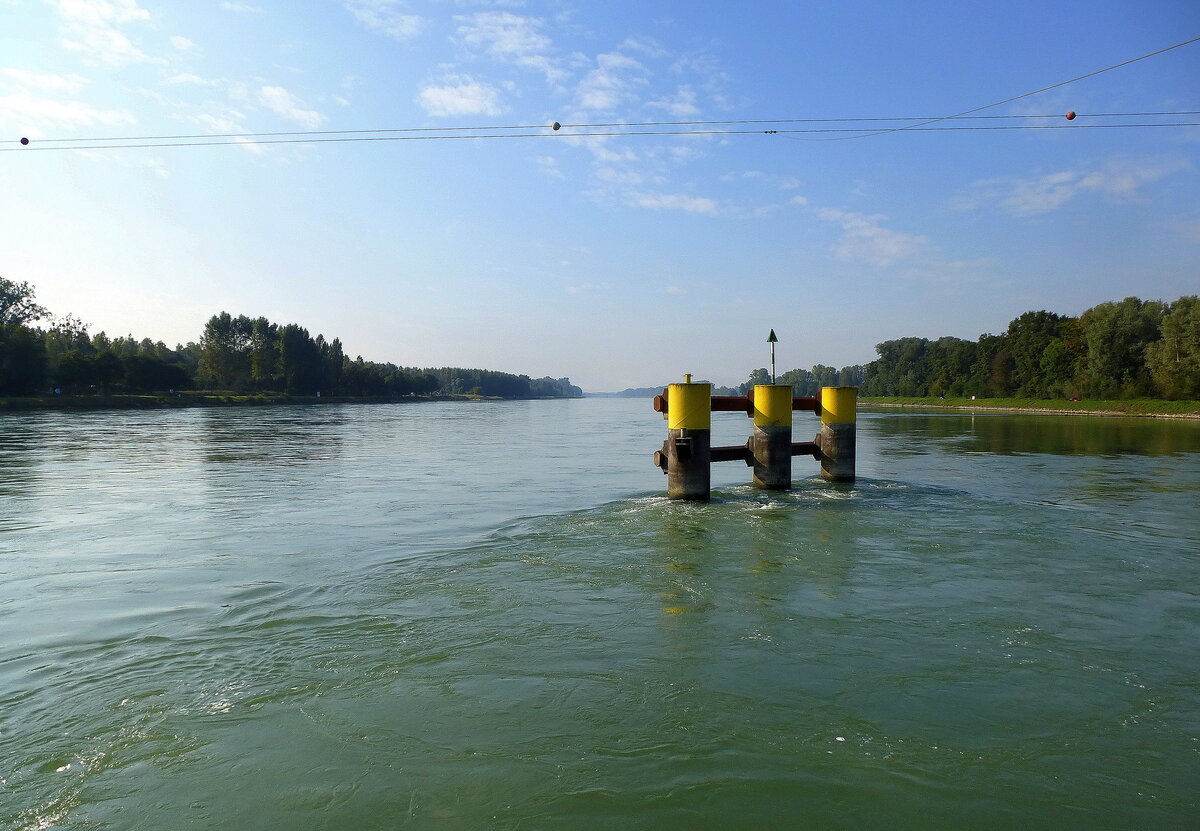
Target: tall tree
300,361
224,351
1028,338
1117,335
264,353
1174,360
17,306
22,360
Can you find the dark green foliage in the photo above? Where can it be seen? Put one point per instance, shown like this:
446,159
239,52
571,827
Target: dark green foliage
1028,337
1117,335
1124,350
235,354
1174,359
16,304
22,360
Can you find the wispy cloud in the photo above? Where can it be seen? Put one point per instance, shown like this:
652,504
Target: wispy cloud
549,166
240,8
511,38
460,95
37,114
46,83
646,46
283,103
864,239
93,28
611,83
189,78
586,288
182,44
387,17
673,202
228,121
681,105
35,102
1117,179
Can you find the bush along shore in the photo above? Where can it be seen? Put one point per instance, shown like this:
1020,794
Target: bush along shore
1142,407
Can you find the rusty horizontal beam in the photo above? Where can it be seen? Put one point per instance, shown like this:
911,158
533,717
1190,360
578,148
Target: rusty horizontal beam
743,453
806,448
742,404
735,453
733,404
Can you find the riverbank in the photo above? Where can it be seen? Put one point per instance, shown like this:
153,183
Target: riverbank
1140,407
206,398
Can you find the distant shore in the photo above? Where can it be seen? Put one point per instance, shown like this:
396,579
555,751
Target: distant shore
189,398
1138,408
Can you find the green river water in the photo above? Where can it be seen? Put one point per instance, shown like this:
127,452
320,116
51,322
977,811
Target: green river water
487,615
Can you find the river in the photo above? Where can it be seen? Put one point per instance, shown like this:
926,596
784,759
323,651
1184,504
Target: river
469,615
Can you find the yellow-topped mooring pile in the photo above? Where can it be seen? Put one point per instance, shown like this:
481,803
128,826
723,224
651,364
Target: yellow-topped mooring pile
687,454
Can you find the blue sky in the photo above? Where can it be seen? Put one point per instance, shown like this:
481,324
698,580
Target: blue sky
620,260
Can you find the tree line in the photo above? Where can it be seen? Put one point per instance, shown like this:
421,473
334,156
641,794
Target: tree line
1118,350
236,354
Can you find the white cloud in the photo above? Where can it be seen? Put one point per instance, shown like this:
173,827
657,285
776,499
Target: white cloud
460,96
549,166
387,17
647,46
189,78
222,123
92,27
510,38
864,239
611,83
613,176
601,148
1118,179
47,83
674,202
680,105
240,8
583,288
35,114
282,102
182,44
32,103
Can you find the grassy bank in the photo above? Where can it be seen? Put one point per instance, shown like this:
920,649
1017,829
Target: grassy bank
204,398
1134,407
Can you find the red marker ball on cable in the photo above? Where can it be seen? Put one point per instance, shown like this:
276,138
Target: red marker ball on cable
1071,115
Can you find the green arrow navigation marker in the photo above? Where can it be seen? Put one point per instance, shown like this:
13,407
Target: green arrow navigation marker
771,339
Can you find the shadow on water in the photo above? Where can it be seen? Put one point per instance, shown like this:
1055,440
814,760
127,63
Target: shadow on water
20,457
278,436
1049,434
